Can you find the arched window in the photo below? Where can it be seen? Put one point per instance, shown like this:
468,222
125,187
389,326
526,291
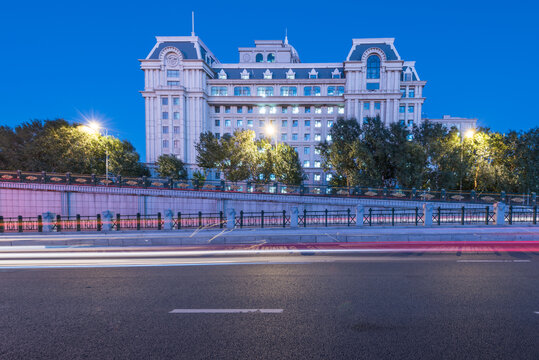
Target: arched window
373,67
259,58
271,58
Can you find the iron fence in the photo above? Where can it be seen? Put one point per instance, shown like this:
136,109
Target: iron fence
393,216
262,219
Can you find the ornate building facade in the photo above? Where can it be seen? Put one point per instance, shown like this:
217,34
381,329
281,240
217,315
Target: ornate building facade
270,91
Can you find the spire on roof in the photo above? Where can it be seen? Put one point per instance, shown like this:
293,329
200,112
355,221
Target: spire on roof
286,36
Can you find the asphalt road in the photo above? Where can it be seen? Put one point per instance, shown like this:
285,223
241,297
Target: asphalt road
387,306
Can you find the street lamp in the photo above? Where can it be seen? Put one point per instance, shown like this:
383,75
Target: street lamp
94,127
269,130
469,134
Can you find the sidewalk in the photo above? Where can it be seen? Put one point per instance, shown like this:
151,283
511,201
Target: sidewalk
273,236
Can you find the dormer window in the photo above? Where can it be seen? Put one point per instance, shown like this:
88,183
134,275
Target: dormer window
336,74
313,74
373,67
271,58
268,74
259,58
245,75
222,75
290,75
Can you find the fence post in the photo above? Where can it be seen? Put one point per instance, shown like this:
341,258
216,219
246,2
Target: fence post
535,215
138,221
294,218
284,218
78,222
510,214
462,216
231,218
427,214
392,216
99,224
499,213
348,216
169,222
118,227
417,216
439,216
241,219
326,217
107,220
39,224
19,223
304,217
159,221
179,220
200,219
2,226
533,199
262,218
370,216
486,214
58,223
360,211
220,219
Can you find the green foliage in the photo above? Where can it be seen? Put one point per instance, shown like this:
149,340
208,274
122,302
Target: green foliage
172,167
57,146
199,177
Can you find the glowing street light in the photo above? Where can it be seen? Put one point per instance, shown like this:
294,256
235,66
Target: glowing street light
269,130
469,133
94,127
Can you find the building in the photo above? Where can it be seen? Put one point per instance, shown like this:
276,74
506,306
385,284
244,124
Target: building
188,91
463,125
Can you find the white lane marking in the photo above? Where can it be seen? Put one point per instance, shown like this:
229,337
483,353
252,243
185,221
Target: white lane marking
225,311
493,261
536,312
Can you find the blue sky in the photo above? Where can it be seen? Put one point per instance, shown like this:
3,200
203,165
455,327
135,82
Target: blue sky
67,58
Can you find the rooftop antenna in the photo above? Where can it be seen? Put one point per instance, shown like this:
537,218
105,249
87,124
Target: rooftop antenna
286,36
192,23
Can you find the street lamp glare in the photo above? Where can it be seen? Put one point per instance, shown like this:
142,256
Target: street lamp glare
269,130
94,125
469,133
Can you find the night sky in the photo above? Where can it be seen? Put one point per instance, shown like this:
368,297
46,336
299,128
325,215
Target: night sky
73,60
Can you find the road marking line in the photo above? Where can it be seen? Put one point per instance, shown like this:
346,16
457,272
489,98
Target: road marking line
225,311
493,261
536,312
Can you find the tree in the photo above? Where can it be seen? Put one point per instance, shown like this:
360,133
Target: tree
209,151
288,168
172,167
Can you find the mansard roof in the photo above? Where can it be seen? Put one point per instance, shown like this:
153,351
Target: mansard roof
280,73
359,49
187,48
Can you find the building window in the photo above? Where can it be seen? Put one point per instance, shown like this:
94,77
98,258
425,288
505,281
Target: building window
373,86
239,109
249,109
317,123
401,109
227,109
411,108
330,110
306,163
341,110
259,58
271,58
401,123
245,75
289,91
242,91
173,83
410,123
317,137
284,110
250,123
316,177
307,90
316,151
165,144
317,163
222,75
316,90
294,123
264,91
366,106
217,136
307,123
373,67
410,137
365,120
176,144
295,110
273,110
217,109
217,122
219,91
290,75
268,75
239,123
328,137
294,137
164,115
176,115
175,101
164,101
411,92
331,90
377,106
306,150
340,90
307,109
330,123
284,123
217,175
313,74
403,92
176,129
227,122
328,177
318,110
173,73
165,129
262,110
336,76
261,123
283,137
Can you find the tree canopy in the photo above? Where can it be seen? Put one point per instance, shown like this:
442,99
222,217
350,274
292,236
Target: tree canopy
172,167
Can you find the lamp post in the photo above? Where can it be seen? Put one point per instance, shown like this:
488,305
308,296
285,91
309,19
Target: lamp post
469,134
96,127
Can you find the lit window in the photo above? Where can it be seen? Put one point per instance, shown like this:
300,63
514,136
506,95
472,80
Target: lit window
411,108
294,123
290,75
164,115
271,58
317,163
165,129
283,137
264,91
250,123
331,90
373,86
217,122
306,150
173,73
222,74
176,115
244,75
227,123
366,106
317,123
239,123
259,58
316,177
316,151
219,91
261,109
164,101
176,129
330,110
410,123
295,110
411,92
341,109
307,109
328,177
328,137
401,109
242,91
330,123
306,163
295,137
340,90
284,123
175,101
307,123
373,67
173,83
227,109
318,110
410,137
273,110
316,90
288,91
376,106
317,137
165,143
268,74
